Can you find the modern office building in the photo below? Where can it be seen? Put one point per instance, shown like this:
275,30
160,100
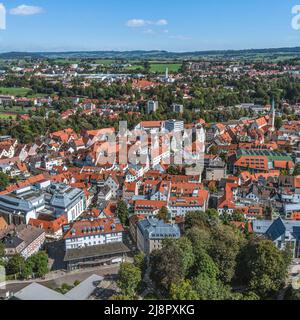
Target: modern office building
54,199
152,106
178,108
174,125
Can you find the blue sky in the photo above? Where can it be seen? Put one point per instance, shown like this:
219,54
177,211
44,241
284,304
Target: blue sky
173,25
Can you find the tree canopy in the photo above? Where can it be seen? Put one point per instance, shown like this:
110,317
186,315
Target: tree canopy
129,279
212,258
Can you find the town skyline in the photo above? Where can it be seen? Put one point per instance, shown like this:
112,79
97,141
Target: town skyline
150,151
190,26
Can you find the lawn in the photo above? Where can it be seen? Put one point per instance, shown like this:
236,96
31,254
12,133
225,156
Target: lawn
15,110
63,61
161,67
7,116
14,91
157,67
105,62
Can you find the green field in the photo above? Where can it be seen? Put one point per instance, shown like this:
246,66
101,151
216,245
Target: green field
157,67
14,91
7,116
15,109
64,61
105,62
161,67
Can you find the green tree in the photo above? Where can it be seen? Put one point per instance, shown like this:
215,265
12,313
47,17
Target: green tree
196,219
120,298
27,271
147,66
247,296
210,289
297,170
76,283
212,214
213,189
214,150
65,288
200,238
278,123
225,247
122,212
163,214
140,261
39,263
167,267
204,264
263,267
130,277
172,263
187,254
183,291
15,265
238,216
4,181
2,250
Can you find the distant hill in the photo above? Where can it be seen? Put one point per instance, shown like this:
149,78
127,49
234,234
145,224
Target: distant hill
140,54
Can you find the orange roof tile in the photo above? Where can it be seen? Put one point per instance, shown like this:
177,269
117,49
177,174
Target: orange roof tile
283,164
50,226
81,226
3,224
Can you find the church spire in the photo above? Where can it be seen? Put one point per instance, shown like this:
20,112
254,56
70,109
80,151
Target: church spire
273,115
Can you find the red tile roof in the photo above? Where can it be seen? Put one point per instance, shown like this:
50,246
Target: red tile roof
151,124
284,164
49,226
108,225
3,224
253,162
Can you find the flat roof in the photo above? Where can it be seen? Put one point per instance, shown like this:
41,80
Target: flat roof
96,251
274,155
35,292
84,290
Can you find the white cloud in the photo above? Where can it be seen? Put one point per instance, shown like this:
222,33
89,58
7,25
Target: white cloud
25,10
162,22
2,17
138,23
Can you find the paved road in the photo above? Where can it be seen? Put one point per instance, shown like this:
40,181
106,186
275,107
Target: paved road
108,272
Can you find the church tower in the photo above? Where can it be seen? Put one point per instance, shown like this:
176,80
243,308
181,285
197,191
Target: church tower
272,116
167,73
